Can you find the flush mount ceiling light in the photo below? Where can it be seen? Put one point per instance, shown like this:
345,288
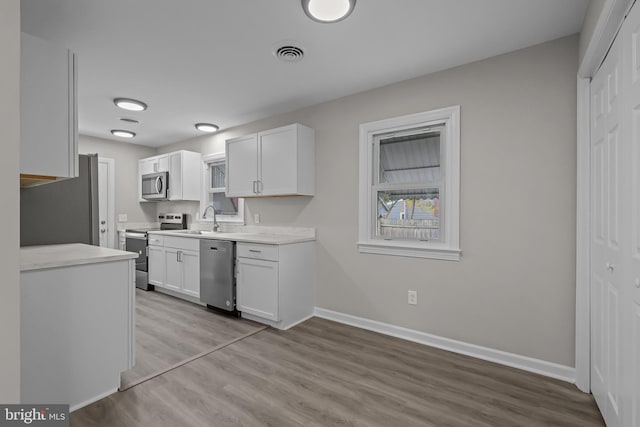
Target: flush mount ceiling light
123,133
328,11
207,127
130,104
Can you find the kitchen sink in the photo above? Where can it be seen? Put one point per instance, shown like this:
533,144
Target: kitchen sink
200,232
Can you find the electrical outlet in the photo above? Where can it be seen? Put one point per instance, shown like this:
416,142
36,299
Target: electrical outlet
256,218
122,217
412,297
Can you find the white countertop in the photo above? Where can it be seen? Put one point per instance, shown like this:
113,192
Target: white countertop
270,235
51,256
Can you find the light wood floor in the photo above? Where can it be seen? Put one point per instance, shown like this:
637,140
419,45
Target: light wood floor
170,330
321,373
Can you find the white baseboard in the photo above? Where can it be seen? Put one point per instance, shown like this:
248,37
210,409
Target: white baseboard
549,369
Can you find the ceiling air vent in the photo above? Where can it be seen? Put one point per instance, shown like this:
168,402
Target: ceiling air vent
289,53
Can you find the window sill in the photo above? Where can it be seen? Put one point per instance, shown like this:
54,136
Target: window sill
408,249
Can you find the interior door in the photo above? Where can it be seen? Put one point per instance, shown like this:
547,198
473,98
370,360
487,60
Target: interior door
608,159
631,60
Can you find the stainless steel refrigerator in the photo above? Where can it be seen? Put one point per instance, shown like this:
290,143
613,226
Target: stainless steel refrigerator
64,211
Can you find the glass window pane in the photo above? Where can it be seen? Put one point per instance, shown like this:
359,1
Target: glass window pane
411,214
217,172
410,159
225,205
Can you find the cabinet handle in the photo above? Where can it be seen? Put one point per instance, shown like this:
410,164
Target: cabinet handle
254,187
255,251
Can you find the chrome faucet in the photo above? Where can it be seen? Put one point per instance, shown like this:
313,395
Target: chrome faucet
216,226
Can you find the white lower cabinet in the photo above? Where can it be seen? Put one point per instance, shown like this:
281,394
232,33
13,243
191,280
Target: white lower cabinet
176,265
257,288
190,261
156,265
173,268
122,240
275,283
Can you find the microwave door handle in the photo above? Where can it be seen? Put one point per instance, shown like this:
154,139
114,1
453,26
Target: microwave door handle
158,185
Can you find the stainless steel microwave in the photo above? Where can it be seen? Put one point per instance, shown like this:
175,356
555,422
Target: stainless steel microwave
155,186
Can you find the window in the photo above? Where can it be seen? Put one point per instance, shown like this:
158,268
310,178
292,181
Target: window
410,185
228,209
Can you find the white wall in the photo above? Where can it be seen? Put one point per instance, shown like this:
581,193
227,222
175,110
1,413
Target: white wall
126,158
9,214
514,290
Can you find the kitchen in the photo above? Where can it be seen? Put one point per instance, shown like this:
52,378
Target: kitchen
460,301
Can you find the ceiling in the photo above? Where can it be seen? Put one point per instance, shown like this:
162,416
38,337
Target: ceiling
212,60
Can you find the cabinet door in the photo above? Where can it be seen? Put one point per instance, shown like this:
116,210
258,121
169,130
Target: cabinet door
146,166
242,166
278,161
173,268
191,273
175,176
156,265
162,164
257,288
48,110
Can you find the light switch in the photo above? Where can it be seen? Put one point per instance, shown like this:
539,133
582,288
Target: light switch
122,217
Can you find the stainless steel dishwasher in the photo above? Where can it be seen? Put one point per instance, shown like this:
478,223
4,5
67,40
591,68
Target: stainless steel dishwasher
217,278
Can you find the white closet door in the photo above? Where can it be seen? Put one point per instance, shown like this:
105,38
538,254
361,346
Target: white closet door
631,62
608,151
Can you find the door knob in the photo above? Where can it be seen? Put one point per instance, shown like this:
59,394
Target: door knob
637,282
610,266
103,222
103,230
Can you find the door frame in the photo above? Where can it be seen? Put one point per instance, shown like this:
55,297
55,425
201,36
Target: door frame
111,197
606,29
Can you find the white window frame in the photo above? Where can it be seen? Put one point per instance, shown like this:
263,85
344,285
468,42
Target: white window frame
449,247
207,159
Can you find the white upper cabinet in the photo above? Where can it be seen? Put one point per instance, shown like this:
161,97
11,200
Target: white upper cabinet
154,164
48,110
184,173
277,162
242,166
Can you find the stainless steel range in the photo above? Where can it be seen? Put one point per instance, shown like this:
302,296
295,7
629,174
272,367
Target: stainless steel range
137,241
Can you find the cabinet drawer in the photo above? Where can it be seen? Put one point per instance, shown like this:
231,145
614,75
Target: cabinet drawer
257,251
186,243
155,240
